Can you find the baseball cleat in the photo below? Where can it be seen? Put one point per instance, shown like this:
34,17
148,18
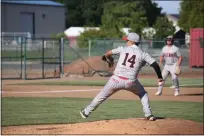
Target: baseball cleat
158,93
151,118
83,115
176,93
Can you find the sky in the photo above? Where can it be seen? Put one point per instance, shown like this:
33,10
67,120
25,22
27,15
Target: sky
170,7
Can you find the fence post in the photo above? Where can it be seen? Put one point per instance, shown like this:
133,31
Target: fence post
104,50
62,57
43,57
24,58
89,48
21,40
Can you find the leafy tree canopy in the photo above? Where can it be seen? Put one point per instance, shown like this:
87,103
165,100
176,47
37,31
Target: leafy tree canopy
89,12
163,28
191,14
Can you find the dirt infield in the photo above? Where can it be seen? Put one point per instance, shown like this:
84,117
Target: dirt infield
127,126
186,94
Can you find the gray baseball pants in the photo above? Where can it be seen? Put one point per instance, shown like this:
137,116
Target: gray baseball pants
170,69
115,84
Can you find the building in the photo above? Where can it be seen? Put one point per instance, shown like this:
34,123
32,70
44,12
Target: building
39,18
174,19
180,35
76,31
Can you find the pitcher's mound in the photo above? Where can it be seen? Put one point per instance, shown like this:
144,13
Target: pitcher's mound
119,126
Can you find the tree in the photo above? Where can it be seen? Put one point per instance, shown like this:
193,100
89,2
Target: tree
89,12
92,12
110,20
138,18
191,14
152,11
117,15
163,28
148,33
83,12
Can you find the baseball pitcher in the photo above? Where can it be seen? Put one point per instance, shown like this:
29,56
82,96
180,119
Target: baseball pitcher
131,60
173,58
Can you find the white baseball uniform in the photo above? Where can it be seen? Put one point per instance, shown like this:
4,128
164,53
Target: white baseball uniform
171,55
131,60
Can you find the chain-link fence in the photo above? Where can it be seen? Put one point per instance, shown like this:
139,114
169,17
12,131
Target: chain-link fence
11,57
84,57
28,58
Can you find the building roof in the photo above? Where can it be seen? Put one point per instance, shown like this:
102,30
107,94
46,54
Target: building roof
34,2
175,15
76,31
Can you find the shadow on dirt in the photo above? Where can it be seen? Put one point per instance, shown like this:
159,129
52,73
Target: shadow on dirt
195,94
157,118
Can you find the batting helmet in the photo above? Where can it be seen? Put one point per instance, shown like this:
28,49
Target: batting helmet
170,38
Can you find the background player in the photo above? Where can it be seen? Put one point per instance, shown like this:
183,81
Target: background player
172,56
131,60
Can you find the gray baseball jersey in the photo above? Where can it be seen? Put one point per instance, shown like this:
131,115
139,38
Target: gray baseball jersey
131,60
170,54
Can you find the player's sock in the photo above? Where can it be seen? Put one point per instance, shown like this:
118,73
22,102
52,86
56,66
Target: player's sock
145,103
160,89
176,83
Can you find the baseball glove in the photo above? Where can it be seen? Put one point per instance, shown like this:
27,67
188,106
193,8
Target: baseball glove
109,60
178,70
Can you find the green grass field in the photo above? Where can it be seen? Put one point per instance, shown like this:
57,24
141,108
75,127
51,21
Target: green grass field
184,82
28,111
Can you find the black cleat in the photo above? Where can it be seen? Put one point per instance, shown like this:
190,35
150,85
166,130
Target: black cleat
151,118
83,115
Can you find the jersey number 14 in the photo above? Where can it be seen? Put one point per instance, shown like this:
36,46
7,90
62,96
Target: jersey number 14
131,60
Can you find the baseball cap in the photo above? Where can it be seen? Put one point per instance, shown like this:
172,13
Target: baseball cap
133,37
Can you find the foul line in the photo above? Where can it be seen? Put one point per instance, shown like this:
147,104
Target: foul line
186,85
58,91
